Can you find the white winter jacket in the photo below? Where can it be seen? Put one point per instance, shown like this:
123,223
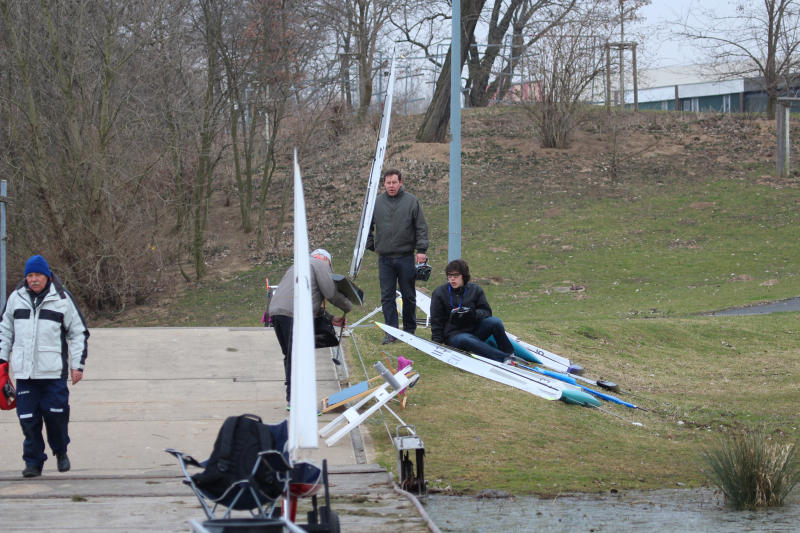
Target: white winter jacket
43,343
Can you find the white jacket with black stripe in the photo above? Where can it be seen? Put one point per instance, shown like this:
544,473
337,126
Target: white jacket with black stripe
45,342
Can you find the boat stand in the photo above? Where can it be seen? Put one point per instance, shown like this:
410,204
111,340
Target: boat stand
410,480
353,417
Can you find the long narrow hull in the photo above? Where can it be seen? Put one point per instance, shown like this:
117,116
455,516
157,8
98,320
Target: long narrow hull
570,393
374,180
303,415
541,387
548,359
539,356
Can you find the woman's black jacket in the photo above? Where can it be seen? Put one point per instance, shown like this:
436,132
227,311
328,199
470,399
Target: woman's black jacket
444,299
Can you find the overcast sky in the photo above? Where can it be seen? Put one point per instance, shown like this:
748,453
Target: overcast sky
661,49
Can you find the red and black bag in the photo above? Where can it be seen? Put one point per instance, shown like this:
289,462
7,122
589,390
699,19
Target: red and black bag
8,394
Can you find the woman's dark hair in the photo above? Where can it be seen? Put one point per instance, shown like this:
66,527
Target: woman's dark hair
460,266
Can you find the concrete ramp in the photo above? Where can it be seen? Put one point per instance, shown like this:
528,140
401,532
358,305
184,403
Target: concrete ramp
146,389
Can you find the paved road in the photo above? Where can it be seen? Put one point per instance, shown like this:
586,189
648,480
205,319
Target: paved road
146,389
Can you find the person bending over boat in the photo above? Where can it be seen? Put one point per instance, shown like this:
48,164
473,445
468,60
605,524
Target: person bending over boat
461,316
281,305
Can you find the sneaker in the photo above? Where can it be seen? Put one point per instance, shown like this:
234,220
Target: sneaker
388,339
63,462
508,361
32,471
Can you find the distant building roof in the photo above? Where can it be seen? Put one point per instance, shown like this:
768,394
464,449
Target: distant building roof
675,75
693,81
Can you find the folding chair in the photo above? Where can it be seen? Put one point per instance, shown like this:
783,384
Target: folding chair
263,503
250,493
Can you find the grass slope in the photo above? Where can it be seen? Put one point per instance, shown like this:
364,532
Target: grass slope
617,276
620,286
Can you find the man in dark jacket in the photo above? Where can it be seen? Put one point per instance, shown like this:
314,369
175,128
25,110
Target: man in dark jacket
461,316
44,335
398,228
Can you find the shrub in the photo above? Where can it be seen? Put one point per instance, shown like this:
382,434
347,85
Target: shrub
753,470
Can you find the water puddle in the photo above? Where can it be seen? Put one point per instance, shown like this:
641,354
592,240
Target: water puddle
791,304
676,510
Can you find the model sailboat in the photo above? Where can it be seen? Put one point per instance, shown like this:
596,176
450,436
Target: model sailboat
374,180
303,404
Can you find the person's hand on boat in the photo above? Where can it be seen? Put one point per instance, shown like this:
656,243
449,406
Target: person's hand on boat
338,321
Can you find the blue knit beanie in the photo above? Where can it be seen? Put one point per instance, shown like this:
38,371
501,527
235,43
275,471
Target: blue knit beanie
38,264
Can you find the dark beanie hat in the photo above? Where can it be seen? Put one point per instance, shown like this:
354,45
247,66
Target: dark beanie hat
37,264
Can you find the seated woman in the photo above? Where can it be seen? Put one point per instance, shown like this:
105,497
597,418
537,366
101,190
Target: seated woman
461,316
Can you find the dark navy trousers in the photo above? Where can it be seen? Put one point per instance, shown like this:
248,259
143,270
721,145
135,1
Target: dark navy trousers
398,273
43,402
475,341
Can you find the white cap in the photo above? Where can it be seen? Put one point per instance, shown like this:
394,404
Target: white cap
322,253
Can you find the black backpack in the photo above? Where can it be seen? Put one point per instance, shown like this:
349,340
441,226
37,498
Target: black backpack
235,453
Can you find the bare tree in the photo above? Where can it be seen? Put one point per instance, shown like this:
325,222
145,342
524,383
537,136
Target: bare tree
424,24
117,116
360,24
518,16
289,83
72,117
758,39
190,99
335,33
236,51
481,58
209,149
561,67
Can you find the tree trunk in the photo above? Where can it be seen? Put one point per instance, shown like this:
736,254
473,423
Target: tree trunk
364,85
347,93
206,161
270,164
502,83
771,69
480,69
437,117
243,180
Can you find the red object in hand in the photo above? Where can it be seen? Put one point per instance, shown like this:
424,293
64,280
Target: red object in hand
8,394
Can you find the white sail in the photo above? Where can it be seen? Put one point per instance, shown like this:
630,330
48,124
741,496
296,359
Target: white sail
374,179
303,404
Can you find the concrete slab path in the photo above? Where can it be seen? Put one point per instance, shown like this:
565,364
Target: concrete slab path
146,389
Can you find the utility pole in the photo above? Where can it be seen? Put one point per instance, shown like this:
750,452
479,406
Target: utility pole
621,46
621,54
3,200
454,228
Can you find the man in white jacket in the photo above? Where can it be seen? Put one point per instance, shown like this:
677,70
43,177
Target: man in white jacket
44,336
